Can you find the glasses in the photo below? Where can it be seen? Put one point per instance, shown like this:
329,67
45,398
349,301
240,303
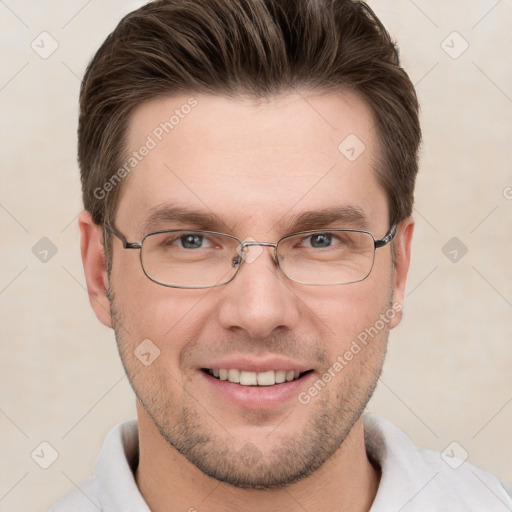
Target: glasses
187,258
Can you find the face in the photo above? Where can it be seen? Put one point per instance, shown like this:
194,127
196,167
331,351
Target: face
259,171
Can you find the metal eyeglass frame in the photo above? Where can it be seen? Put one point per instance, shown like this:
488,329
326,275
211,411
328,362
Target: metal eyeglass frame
238,260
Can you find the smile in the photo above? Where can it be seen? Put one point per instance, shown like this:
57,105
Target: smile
247,378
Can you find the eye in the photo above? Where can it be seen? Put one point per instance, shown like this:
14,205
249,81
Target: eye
192,241
182,241
319,240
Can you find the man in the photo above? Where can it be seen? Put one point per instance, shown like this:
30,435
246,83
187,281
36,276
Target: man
248,170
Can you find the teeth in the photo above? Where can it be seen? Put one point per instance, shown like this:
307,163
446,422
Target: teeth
280,376
234,376
248,378
268,378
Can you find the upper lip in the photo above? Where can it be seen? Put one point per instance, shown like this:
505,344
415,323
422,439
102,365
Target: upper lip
252,364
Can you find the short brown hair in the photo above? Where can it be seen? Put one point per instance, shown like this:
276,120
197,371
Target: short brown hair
245,48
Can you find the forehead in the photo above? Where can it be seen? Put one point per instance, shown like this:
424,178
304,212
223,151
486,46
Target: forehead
252,162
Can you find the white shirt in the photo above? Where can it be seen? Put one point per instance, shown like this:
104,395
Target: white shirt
413,479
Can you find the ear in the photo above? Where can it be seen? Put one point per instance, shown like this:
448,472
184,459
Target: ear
93,260
402,246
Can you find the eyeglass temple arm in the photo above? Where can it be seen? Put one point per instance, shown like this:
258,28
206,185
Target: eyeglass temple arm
389,236
118,234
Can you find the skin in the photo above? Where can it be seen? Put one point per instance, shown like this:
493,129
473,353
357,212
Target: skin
254,165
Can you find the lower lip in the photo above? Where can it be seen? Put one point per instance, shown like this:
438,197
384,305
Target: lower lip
257,397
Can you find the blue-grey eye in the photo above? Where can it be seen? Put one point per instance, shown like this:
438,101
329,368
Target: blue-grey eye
191,241
319,240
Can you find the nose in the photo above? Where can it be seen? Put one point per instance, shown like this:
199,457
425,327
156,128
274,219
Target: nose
260,299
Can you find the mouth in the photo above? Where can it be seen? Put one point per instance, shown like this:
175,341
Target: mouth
248,378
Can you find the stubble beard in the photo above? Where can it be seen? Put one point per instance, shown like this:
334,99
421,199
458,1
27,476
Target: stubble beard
199,436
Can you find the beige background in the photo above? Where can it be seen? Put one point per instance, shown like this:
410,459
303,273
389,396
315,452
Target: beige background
448,373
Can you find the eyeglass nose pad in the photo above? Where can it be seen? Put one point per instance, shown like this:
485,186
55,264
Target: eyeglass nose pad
241,254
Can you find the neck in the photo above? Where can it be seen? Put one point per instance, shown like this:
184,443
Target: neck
166,479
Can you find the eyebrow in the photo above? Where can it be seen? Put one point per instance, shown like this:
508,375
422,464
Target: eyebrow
164,216
161,216
347,216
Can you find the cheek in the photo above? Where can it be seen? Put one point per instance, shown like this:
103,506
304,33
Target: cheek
348,310
170,318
